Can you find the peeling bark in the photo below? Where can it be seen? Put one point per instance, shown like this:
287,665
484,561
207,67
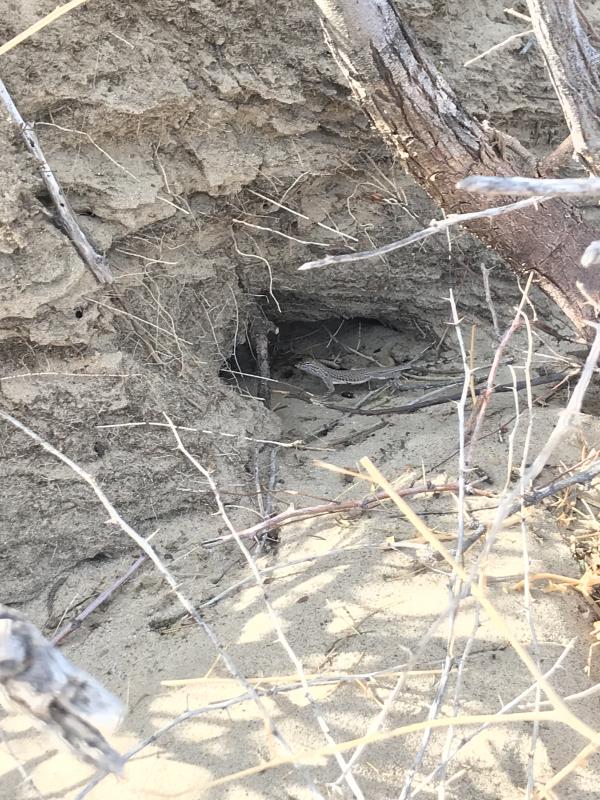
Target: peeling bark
413,107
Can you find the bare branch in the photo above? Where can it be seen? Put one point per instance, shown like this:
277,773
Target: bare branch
456,586
410,103
536,496
572,57
97,264
116,519
97,601
436,226
291,515
591,257
484,398
486,184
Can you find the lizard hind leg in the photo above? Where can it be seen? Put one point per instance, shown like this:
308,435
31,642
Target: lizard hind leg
329,386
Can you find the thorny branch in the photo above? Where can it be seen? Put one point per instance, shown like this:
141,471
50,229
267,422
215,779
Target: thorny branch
292,515
275,620
436,226
484,398
116,519
299,514
455,587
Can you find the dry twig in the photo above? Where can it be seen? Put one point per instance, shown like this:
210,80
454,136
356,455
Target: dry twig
455,588
484,398
116,519
65,218
58,12
276,622
436,226
291,515
103,597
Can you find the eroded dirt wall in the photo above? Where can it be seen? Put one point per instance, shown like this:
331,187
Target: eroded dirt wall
161,119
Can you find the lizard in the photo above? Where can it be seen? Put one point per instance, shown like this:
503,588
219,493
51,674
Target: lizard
353,376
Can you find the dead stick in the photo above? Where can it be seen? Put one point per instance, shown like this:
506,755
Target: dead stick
537,495
102,598
300,514
530,187
40,24
309,512
98,264
480,407
417,405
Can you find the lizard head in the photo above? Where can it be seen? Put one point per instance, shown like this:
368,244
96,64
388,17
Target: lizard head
308,366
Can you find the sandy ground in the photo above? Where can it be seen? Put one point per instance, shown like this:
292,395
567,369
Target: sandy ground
161,120
358,608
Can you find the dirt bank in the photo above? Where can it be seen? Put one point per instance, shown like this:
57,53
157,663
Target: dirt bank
210,149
